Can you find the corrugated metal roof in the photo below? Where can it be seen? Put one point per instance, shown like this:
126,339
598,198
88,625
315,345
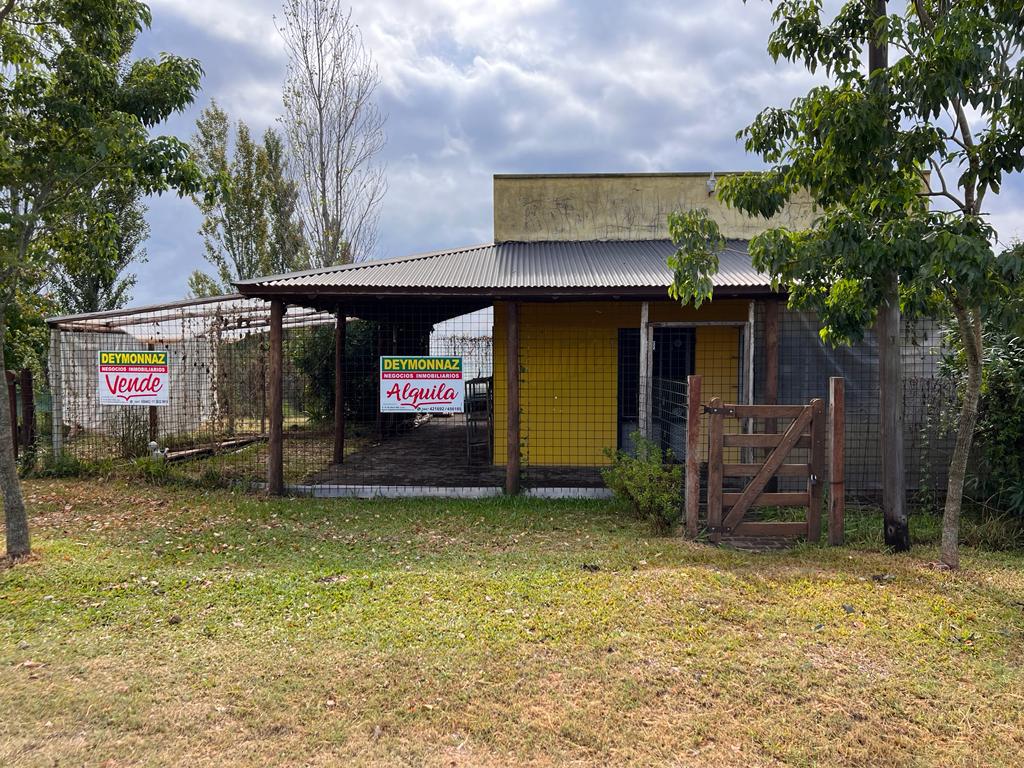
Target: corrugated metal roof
511,266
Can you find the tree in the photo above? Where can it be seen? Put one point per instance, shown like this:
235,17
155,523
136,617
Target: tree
235,227
90,274
288,249
252,228
335,130
863,147
72,119
26,333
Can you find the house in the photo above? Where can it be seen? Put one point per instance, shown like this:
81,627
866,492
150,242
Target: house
586,347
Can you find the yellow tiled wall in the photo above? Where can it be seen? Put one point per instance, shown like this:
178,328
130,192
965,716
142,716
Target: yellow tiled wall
569,372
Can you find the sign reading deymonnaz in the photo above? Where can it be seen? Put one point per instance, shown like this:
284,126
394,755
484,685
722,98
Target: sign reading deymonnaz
128,377
421,384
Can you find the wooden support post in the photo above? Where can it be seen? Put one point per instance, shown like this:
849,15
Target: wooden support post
56,394
379,334
771,360
512,463
716,422
693,416
771,370
275,402
28,410
645,384
837,461
816,482
154,414
339,388
12,404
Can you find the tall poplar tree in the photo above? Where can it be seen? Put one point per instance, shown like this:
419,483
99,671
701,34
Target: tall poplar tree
252,229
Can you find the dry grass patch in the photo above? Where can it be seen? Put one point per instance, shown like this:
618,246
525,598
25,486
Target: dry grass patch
169,626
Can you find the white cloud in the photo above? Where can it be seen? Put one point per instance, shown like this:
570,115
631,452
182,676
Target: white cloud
239,21
472,88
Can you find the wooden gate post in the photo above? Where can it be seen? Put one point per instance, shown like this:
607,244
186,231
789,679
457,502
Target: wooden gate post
715,425
275,402
837,461
693,414
28,410
12,404
816,482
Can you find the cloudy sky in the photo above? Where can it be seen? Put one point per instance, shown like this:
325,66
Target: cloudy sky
476,88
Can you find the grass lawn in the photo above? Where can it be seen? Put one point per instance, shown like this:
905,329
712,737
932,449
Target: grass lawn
170,626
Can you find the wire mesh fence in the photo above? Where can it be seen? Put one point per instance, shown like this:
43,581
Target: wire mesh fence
929,399
215,418
589,381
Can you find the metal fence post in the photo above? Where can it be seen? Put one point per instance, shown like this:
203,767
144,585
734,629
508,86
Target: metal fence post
56,382
513,437
154,413
693,414
645,383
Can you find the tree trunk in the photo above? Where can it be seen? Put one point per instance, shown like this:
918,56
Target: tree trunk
890,364
970,332
14,503
890,421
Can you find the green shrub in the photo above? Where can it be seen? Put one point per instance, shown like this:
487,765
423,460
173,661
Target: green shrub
152,470
27,459
65,465
69,465
648,483
998,473
129,427
211,477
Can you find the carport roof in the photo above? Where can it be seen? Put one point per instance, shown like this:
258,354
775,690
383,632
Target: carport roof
552,268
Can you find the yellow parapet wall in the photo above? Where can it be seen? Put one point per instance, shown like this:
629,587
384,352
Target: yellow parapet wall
569,379
619,206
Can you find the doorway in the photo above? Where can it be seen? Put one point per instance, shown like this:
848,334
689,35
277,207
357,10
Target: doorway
673,358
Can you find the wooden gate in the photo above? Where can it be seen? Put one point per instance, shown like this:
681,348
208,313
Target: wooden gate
726,509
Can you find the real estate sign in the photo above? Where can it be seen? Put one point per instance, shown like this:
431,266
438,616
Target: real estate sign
129,377
425,384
